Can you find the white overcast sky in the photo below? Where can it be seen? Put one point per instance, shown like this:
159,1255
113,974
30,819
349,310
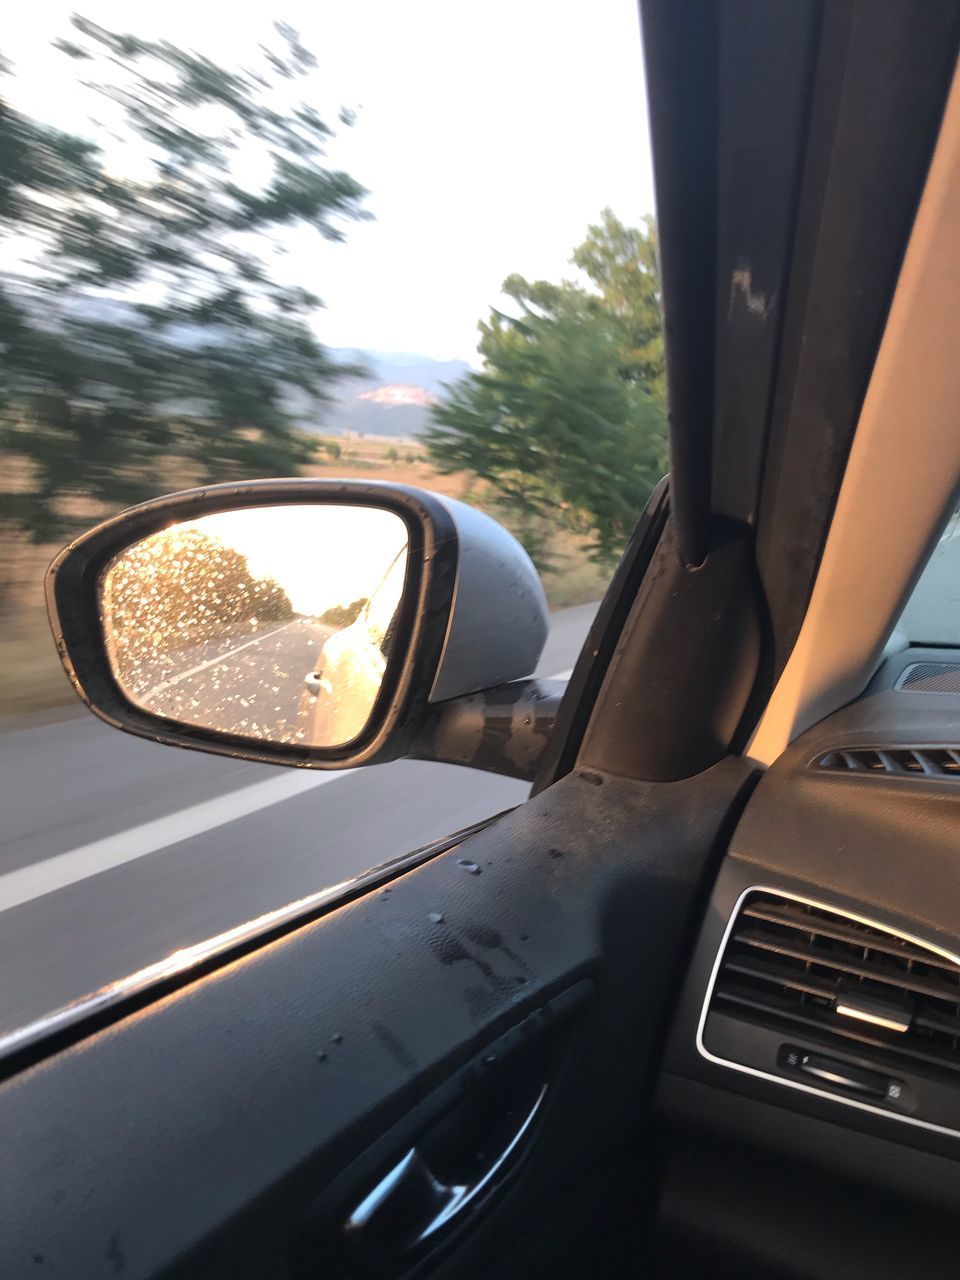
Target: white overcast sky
489,135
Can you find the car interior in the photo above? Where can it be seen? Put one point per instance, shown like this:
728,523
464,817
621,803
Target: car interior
692,1009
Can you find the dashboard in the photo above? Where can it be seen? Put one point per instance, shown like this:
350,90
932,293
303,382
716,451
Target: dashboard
810,1091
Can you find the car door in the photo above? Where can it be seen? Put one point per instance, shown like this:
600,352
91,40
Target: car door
449,1068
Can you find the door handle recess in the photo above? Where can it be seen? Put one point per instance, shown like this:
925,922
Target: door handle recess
410,1204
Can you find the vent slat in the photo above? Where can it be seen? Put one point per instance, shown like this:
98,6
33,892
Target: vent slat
793,916
771,973
793,1016
823,957
934,1020
930,761
786,962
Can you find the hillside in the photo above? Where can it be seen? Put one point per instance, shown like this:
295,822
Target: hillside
393,398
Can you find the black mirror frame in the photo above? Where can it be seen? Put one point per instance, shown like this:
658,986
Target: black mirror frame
72,581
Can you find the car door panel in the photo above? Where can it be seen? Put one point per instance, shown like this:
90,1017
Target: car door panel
204,1126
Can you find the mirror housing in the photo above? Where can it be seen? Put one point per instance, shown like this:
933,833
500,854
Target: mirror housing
472,616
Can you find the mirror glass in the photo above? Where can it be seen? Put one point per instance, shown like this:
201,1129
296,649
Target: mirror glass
271,622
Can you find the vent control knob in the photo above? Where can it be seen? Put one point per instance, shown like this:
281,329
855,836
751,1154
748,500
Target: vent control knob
839,1075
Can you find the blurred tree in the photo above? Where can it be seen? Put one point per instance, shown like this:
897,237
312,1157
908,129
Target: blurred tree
621,263
566,420
145,320
181,588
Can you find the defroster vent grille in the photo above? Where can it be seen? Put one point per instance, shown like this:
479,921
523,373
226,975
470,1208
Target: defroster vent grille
930,762
931,677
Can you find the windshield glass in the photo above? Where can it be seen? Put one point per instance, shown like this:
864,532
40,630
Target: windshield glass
932,615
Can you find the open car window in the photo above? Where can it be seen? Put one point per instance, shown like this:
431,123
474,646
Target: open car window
304,268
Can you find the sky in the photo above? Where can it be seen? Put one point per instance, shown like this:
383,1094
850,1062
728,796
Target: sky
321,556
489,136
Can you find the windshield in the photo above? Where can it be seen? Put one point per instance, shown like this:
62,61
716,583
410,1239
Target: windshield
932,614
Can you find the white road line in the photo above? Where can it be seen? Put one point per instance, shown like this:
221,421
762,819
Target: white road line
211,662
17,887
26,883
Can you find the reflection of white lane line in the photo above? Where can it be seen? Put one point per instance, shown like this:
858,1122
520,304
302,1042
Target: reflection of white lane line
20,886
17,887
211,662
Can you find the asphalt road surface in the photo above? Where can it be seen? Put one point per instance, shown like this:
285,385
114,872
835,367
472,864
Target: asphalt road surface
116,852
254,687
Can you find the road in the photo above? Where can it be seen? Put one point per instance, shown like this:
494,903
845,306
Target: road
116,852
253,686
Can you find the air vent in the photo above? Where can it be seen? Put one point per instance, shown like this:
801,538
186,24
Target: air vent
801,990
932,762
931,677
799,966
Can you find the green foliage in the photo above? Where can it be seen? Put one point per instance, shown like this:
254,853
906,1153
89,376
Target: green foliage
147,323
392,455
621,264
333,448
566,422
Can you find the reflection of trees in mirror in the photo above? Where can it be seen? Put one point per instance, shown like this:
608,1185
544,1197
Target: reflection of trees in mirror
342,615
177,589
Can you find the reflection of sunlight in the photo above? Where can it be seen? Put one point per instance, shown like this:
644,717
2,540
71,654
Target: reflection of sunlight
321,555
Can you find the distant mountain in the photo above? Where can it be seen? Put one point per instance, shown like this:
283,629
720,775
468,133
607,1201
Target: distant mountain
393,398
404,367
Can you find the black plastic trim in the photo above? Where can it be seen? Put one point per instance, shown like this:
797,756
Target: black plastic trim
686,664
602,641
193,1135
882,76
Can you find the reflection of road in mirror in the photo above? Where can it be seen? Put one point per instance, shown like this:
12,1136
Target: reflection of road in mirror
255,688
269,622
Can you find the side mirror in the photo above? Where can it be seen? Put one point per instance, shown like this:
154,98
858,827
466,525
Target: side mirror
317,623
